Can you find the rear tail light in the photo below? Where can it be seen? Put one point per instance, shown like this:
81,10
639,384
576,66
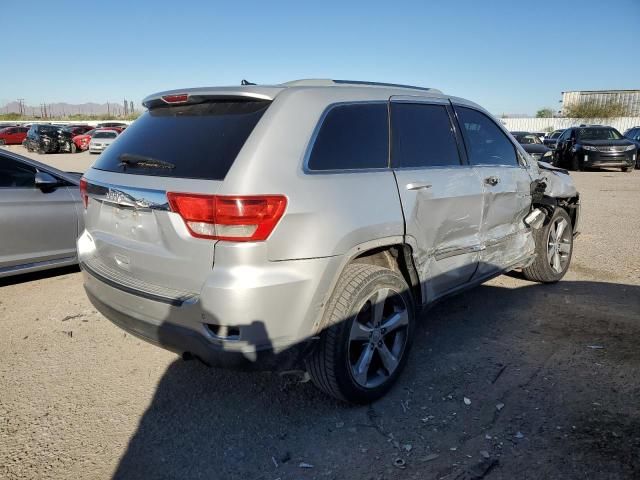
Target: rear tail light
234,218
83,192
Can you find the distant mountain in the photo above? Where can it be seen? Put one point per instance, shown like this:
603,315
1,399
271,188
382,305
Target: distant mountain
62,109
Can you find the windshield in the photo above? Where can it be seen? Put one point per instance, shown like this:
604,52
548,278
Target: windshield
528,139
104,135
598,134
557,133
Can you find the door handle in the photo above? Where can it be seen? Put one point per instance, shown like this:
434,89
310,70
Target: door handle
492,180
418,186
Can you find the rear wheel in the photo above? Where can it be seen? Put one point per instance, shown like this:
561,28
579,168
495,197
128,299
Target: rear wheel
627,169
364,347
73,148
554,247
2,142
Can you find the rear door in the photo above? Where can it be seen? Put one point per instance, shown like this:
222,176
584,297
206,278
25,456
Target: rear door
441,195
506,190
136,239
36,226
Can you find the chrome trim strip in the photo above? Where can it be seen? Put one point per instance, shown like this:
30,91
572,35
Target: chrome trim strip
128,197
455,251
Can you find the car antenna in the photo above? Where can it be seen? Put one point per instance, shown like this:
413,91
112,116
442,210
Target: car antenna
246,82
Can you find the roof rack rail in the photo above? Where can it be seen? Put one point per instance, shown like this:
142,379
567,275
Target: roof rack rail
320,82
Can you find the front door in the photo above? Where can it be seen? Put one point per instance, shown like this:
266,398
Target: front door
441,195
506,187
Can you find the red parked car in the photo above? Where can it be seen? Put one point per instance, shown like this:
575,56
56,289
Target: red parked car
13,135
82,141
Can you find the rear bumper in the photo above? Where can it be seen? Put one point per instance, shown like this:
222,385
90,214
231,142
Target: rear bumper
184,340
261,316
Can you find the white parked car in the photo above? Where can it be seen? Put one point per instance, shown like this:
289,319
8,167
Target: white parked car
101,139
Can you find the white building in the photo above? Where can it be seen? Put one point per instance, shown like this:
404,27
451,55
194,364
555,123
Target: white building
629,98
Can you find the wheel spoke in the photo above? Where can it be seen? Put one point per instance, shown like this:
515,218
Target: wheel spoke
361,368
552,235
359,332
389,361
378,305
560,229
564,247
556,262
395,321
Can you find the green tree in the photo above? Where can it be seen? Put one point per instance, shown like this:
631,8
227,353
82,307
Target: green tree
592,109
544,113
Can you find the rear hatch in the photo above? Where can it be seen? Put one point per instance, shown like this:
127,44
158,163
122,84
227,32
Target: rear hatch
137,240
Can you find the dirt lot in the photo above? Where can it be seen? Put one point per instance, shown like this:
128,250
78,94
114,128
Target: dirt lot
551,373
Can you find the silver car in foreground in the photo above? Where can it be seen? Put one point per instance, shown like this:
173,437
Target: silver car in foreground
40,215
101,139
305,225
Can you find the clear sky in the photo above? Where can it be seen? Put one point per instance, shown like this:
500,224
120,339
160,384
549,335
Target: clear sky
509,56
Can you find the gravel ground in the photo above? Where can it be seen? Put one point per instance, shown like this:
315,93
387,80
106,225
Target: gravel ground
550,374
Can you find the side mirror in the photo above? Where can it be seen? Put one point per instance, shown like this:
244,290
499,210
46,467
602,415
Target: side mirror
46,182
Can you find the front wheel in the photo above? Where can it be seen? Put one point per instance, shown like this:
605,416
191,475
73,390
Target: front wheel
554,247
627,169
368,331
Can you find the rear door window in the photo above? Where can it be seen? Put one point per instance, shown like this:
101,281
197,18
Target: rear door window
486,143
352,136
422,136
187,141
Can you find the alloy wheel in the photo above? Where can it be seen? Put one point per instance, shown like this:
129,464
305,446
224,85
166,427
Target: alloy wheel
559,245
378,337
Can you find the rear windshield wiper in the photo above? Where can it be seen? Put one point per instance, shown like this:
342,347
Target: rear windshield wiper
132,160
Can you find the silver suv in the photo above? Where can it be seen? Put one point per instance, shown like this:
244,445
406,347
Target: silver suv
304,225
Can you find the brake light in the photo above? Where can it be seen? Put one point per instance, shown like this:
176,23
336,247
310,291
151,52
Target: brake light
83,192
235,218
178,98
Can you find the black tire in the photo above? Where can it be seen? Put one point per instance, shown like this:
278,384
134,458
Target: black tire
541,270
329,364
73,148
2,142
627,169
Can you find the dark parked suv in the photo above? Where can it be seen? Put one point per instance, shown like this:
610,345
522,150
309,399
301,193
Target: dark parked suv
594,146
42,138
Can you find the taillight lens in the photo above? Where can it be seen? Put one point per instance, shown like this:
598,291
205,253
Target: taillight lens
178,98
83,192
234,218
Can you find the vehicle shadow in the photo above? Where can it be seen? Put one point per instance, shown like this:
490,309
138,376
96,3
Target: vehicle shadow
561,359
33,276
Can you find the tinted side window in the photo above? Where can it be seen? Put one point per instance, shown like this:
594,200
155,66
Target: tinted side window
486,142
422,136
352,136
15,174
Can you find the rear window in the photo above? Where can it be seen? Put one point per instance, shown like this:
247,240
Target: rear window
186,141
352,136
105,135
